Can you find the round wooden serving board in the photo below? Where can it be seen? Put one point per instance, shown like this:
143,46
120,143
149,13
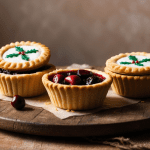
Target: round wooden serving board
34,120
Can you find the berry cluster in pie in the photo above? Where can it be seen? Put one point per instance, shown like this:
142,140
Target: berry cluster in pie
46,67
79,77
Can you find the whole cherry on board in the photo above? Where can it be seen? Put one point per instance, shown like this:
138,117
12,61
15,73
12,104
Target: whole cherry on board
18,102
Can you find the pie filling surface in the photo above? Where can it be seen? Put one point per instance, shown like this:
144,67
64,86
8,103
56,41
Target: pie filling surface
25,72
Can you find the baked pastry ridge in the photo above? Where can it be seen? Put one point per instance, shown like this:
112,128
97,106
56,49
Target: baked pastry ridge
135,63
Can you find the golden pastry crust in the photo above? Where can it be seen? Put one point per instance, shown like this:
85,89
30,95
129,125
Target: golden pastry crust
26,85
74,97
114,67
130,86
25,66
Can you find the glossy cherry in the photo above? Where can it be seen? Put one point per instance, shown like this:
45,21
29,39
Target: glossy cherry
100,76
58,78
84,73
71,73
18,102
73,80
93,80
50,77
79,77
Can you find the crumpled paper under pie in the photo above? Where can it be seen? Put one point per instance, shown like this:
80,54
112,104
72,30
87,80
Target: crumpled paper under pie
112,101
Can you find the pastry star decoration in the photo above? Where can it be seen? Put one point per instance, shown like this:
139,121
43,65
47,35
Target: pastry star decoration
22,53
135,61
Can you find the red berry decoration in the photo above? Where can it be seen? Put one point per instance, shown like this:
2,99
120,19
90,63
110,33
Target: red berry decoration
137,61
73,80
18,102
19,52
133,62
22,53
58,78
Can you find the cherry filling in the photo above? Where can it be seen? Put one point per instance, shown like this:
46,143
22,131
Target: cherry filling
58,78
24,72
79,77
73,80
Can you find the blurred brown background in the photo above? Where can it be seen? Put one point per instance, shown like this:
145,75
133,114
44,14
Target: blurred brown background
78,31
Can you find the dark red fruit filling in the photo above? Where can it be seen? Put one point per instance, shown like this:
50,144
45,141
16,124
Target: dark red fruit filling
24,72
18,102
84,73
58,78
79,77
71,73
73,80
93,80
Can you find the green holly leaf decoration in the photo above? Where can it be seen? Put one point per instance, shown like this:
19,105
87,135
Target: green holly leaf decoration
133,58
144,60
31,51
12,55
139,64
135,61
125,63
25,57
22,53
19,49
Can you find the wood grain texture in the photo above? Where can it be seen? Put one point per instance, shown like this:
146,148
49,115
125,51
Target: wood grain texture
17,141
34,120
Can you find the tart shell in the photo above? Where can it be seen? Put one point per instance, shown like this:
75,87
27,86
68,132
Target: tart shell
127,70
29,65
130,86
77,97
26,85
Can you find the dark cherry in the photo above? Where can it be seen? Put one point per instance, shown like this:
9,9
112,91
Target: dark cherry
50,77
58,78
79,77
8,72
71,73
84,73
100,76
24,72
14,73
73,80
18,102
1,70
92,80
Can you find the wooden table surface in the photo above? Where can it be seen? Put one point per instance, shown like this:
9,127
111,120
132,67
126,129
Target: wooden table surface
10,140
18,141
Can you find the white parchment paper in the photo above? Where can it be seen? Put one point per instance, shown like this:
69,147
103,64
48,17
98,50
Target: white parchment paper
112,101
